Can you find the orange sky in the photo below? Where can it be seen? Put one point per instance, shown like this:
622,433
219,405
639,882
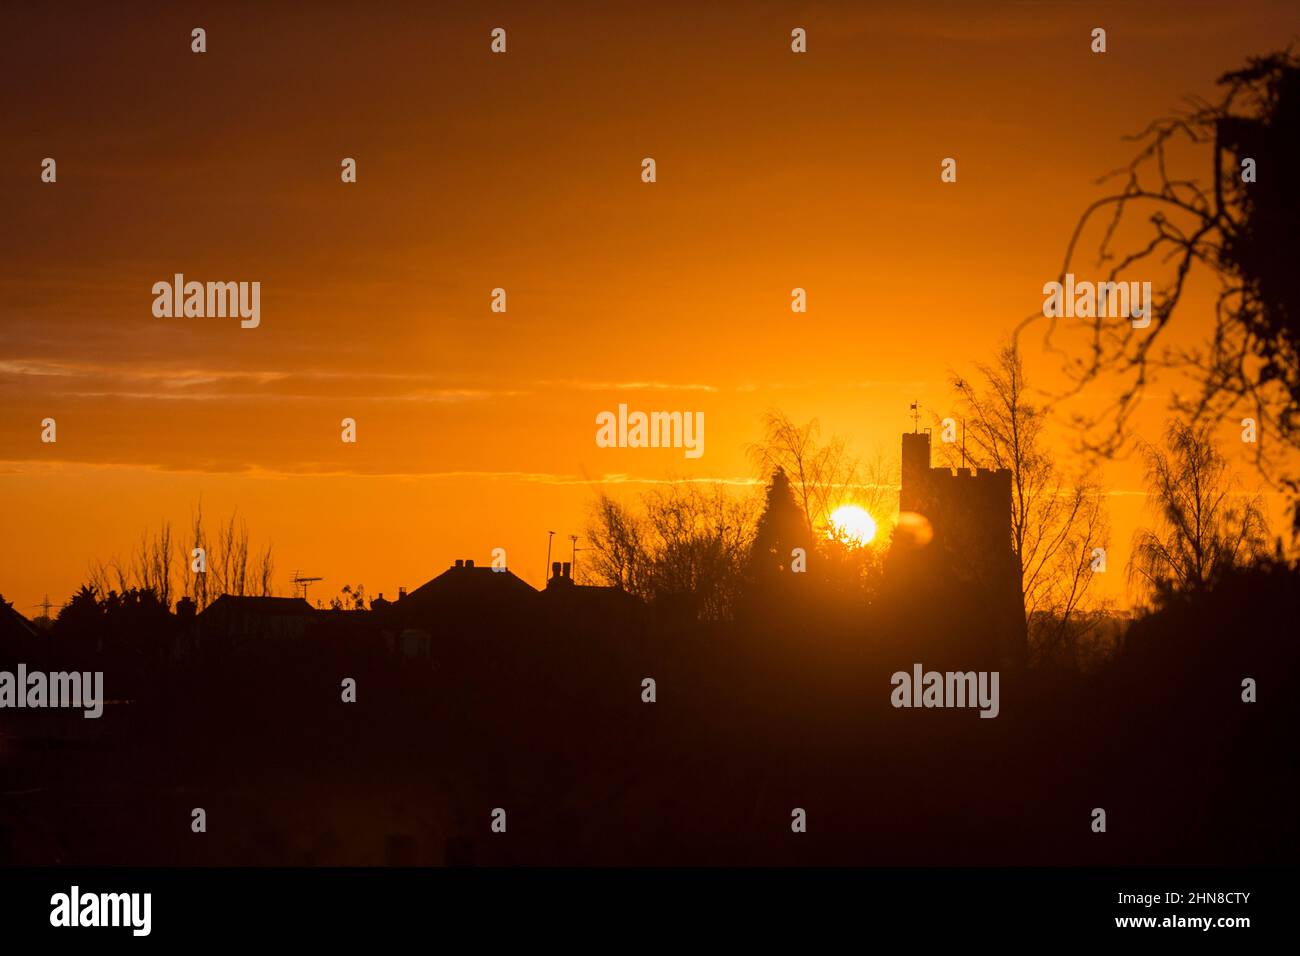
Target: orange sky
476,430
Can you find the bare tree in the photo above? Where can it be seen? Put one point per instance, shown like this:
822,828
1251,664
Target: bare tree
151,566
196,582
1056,520
687,547
1239,223
266,572
100,577
1204,525
147,568
615,536
231,565
821,473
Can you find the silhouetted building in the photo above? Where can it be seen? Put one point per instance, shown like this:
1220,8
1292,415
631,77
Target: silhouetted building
234,619
968,508
13,623
466,601
17,634
954,553
599,610
466,588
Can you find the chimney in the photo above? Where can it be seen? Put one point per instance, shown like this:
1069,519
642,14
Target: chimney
401,593
568,568
555,569
469,562
460,563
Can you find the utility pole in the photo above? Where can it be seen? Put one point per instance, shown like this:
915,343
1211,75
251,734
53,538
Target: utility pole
549,536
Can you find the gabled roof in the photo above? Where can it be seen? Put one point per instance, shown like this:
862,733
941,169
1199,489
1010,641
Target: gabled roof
470,585
13,624
266,606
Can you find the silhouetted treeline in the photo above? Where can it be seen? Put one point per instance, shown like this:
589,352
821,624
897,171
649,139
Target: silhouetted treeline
682,716
543,714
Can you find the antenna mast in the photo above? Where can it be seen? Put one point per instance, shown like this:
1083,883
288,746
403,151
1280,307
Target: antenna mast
960,385
301,580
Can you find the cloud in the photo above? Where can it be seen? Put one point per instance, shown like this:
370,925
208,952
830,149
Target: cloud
629,386
78,379
327,470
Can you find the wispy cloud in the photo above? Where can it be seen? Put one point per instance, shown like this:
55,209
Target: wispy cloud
174,381
629,386
168,383
329,470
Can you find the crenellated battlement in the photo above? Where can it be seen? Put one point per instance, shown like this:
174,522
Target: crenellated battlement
970,506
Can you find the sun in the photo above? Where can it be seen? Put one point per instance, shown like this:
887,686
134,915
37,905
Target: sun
853,525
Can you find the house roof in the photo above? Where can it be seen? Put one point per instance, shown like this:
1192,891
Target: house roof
563,593
470,585
13,624
258,605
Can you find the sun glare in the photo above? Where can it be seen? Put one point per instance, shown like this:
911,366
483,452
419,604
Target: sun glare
853,525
